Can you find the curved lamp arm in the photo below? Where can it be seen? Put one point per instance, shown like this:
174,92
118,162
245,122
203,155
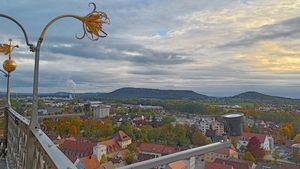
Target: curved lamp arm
5,74
92,28
31,46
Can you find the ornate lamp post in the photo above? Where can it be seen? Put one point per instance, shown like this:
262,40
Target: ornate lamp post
9,65
92,25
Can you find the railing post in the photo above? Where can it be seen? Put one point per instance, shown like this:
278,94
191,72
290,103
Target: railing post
30,148
8,102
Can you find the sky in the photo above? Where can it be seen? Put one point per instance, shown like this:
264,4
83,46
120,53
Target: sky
213,47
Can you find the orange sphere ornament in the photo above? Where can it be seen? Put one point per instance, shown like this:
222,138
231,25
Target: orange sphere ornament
9,65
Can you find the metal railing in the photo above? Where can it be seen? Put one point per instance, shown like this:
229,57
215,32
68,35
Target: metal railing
182,155
31,147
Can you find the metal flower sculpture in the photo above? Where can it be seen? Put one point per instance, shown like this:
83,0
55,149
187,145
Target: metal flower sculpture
92,24
7,49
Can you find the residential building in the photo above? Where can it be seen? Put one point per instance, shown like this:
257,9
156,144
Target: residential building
112,146
77,148
223,153
213,165
108,165
42,111
218,127
296,153
101,111
178,165
281,165
99,150
156,150
203,126
123,139
266,141
211,123
236,164
88,162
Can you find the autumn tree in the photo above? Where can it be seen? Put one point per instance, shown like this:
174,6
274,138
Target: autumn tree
246,128
248,156
286,130
199,139
254,148
129,158
297,138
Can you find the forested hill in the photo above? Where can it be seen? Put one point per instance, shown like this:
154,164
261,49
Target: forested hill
129,92
255,96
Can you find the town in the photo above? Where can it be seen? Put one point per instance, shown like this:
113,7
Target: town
111,133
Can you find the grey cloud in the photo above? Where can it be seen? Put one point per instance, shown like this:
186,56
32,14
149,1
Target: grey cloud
285,29
109,50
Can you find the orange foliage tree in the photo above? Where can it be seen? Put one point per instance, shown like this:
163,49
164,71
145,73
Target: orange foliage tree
286,130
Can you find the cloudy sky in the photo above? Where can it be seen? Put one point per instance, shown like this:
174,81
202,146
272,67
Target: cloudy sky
218,48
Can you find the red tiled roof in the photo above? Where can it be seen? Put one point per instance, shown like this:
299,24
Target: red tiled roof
112,145
121,136
77,149
143,157
213,165
156,148
248,136
91,162
123,153
237,164
108,165
178,165
288,166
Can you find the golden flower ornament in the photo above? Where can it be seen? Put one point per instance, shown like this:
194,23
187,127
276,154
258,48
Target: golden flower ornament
92,24
7,49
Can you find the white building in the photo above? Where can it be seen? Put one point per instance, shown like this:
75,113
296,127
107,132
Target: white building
204,126
99,110
43,111
99,150
207,123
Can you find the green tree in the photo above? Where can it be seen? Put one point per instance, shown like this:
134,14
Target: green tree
103,159
168,119
242,148
275,155
181,135
248,156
